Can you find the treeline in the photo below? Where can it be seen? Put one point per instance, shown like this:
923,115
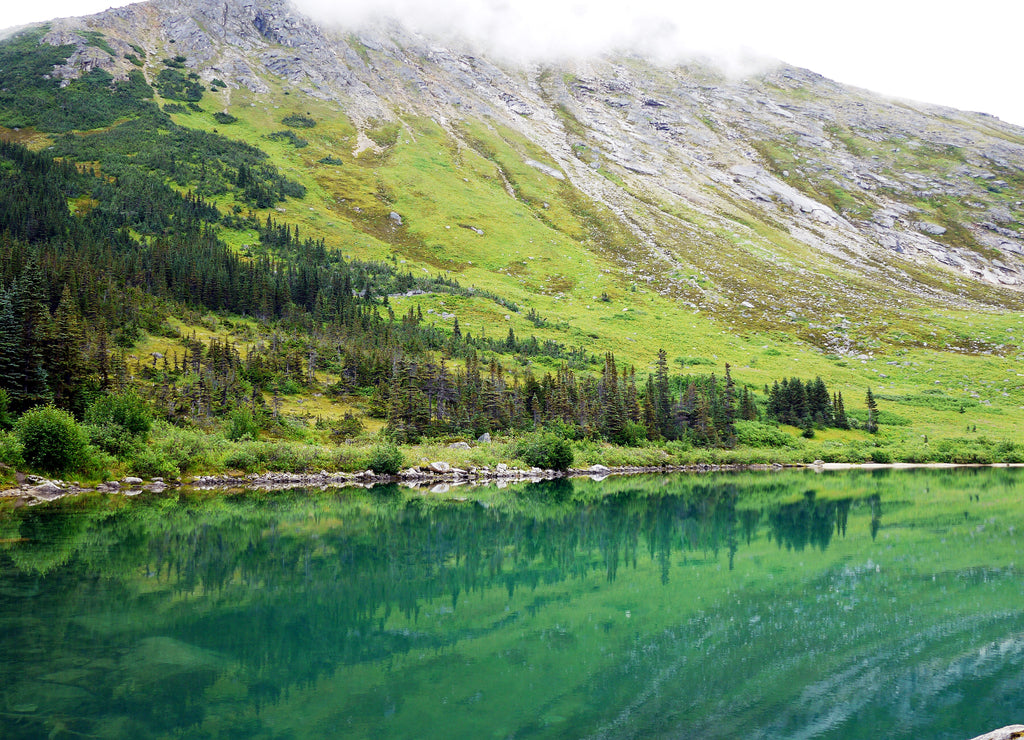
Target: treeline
792,401
77,290
431,399
114,284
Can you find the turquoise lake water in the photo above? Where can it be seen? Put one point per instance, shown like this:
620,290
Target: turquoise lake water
884,604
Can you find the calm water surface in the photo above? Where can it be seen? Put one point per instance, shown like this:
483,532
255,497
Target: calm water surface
791,605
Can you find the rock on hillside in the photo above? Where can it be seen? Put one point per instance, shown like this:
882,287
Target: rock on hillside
748,183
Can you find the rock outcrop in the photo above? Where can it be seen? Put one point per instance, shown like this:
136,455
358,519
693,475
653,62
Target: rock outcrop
732,189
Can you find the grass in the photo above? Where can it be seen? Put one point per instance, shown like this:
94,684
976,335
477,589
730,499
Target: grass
548,247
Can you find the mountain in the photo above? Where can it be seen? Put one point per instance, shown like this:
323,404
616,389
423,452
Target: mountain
783,222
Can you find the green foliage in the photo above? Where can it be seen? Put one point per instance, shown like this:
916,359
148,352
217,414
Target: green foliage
95,38
186,449
11,450
123,410
547,451
688,361
142,151
32,96
297,120
224,118
759,434
242,424
385,459
350,426
880,455
384,134
290,136
172,84
52,440
6,416
884,418
152,462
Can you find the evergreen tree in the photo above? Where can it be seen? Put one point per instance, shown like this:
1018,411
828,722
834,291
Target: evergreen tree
66,365
872,423
31,311
10,349
839,411
662,397
612,417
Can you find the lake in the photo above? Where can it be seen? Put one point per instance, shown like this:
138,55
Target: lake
854,604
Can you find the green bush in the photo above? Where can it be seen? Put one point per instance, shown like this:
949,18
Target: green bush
385,459
11,450
548,451
879,455
242,424
124,410
151,462
52,440
759,434
187,449
297,120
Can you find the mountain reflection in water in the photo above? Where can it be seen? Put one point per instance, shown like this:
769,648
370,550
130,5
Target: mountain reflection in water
776,605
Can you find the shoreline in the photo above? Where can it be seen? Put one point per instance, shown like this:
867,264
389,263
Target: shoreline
437,478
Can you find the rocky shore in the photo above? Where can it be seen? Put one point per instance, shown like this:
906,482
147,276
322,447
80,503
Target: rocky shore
437,477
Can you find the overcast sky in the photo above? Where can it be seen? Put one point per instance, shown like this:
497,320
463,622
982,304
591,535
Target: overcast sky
966,55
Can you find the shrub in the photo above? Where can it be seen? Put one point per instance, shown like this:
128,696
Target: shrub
385,458
297,120
118,423
242,424
224,118
151,462
10,450
52,440
547,451
187,449
348,427
759,434
124,410
881,456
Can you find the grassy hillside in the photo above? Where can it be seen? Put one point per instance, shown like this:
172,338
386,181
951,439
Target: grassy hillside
474,202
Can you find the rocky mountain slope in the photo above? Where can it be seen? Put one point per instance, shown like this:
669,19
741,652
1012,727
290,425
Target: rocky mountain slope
782,200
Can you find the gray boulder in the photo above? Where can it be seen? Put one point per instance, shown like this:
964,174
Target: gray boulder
440,467
47,490
484,438
930,228
459,446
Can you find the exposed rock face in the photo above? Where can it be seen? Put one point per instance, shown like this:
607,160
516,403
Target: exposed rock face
868,186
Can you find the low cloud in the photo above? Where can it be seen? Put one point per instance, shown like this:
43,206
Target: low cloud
539,30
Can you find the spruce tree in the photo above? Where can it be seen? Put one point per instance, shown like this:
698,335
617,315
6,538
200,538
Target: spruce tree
872,422
10,349
662,396
31,311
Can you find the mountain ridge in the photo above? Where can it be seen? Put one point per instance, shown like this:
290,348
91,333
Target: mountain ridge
654,135
523,218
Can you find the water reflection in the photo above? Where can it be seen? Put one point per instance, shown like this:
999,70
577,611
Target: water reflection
210,615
